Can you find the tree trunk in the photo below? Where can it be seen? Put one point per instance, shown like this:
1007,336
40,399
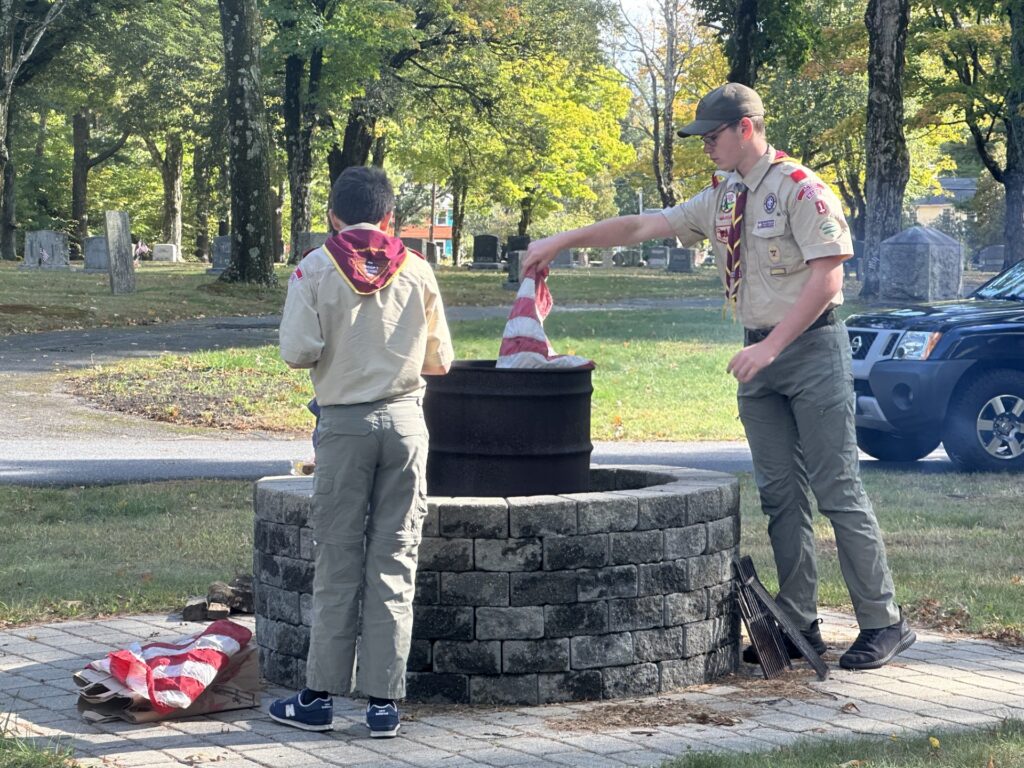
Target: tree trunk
1013,178
299,123
201,190
170,166
8,219
525,214
380,146
1013,227
739,49
668,128
888,161
460,190
80,136
81,164
278,202
252,246
358,141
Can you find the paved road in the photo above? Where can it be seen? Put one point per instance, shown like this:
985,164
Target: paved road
47,438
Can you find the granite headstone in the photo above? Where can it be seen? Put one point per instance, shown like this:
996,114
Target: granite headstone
46,249
485,252
681,259
920,264
96,257
221,254
166,252
120,260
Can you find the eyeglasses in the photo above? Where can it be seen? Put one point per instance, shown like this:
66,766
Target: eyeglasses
710,139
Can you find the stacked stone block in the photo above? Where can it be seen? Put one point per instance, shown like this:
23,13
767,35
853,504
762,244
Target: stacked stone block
623,591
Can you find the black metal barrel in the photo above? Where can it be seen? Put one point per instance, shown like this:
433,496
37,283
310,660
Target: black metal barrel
508,432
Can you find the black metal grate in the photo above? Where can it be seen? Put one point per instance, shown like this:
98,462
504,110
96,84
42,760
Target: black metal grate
860,343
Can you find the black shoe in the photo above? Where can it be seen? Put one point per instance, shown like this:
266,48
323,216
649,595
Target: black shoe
875,648
812,635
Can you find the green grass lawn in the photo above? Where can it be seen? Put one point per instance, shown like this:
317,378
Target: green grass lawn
660,376
31,300
102,550
16,752
1000,747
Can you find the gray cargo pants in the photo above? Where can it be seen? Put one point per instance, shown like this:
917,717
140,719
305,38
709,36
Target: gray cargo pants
798,414
369,502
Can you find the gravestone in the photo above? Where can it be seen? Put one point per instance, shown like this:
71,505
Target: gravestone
95,251
485,252
512,281
416,243
120,260
46,249
166,252
681,259
627,257
515,252
563,259
990,258
310,240
657,257
920,264
221,254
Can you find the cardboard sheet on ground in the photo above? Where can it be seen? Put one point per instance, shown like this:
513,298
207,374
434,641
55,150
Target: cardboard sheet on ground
524,344
210,671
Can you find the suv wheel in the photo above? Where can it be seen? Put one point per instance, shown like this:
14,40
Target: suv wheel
985,427
894,446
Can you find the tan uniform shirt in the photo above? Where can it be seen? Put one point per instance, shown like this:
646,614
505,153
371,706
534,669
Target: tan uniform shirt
363,348
791,218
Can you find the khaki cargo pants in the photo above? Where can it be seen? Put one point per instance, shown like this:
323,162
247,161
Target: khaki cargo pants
798,414
369,502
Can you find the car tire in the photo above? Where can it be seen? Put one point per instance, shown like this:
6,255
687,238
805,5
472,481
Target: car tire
985,423
895,446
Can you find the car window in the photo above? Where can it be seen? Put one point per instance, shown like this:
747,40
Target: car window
1008,285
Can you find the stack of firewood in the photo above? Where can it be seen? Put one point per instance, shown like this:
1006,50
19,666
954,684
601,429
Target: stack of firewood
221,601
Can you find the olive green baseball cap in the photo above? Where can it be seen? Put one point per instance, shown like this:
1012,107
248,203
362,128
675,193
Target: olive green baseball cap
725,104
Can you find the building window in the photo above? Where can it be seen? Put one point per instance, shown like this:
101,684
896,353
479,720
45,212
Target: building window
443,218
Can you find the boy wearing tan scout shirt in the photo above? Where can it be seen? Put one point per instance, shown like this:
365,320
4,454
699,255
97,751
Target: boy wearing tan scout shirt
364,315
779,238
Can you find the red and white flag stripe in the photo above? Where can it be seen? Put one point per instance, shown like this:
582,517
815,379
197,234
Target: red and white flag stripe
172,675
524,343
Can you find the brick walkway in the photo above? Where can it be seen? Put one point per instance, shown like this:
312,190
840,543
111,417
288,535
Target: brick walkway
942,682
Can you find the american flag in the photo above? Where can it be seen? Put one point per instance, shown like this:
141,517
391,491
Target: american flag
524,343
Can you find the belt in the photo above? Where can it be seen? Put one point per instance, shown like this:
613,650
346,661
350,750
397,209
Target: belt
754,335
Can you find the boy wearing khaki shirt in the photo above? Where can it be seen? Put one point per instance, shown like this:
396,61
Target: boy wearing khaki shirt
364,315
779,238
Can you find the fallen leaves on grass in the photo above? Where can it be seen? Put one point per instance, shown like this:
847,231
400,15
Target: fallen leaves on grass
931,613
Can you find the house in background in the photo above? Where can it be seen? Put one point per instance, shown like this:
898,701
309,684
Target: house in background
955,189
442,229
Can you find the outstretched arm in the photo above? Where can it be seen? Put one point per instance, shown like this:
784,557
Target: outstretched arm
622,230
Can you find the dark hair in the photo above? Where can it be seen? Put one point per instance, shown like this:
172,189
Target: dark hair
362,195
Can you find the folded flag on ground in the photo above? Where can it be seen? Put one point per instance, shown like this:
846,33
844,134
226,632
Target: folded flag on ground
524,343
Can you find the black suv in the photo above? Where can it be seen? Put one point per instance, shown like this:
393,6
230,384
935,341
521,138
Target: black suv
952,373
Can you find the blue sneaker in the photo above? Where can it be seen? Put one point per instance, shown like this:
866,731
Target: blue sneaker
382,719
316,715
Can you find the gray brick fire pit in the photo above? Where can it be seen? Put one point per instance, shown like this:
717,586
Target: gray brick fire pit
623,591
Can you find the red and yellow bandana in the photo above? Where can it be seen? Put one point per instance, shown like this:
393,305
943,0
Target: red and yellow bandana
367,259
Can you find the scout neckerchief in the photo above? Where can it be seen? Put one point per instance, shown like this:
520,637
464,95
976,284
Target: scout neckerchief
733,262
367,258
